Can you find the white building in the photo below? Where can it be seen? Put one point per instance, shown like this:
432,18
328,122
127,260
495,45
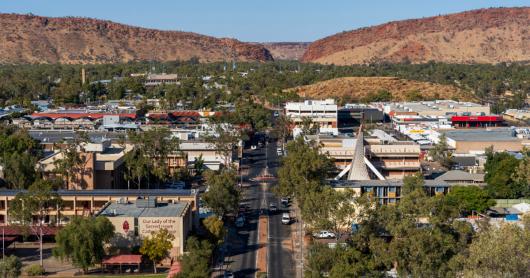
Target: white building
321,112
160,79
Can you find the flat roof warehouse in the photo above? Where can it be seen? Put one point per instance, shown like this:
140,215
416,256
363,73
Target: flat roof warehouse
497,134
138,210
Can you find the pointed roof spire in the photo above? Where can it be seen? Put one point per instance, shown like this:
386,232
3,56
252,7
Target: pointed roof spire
358,171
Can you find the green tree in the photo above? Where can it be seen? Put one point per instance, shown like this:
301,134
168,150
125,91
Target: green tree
195,262
331,210
82,241
500,170
224,141
470,198
440,152
35,204
303,170
215,228
73,162
19,169
18,155
308,126
10,267
250,112
425,239
282,128
150,154
156,247
521,177
198,165
499,252
223,195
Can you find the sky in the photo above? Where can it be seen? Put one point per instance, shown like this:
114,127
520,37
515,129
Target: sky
252,20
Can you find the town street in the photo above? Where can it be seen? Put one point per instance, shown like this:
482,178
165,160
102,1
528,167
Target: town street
243,242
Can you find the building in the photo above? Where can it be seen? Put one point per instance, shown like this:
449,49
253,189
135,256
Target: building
134,220
392,158
353,115
458,177
161,79
213,158
477,140
323,113
89,202
387,191
441,113
517,115
477,121
102,166
73,119
341,148
435,108
395,160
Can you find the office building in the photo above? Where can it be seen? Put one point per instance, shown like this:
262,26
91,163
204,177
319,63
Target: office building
323,113
137,219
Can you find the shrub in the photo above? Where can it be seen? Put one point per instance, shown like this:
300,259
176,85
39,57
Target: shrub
35,270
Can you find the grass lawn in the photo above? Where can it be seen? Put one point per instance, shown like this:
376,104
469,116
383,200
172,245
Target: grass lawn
163,275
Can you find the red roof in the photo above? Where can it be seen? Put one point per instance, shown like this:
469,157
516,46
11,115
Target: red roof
82,115
476,119
158,116
123,259
18,231
185,114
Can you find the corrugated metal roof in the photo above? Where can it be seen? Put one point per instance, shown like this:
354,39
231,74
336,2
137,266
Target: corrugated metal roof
131,210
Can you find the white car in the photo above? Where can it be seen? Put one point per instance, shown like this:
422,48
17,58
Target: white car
286,219
253,147
324,234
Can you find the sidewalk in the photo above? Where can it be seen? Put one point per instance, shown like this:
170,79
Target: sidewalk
299,242
263,235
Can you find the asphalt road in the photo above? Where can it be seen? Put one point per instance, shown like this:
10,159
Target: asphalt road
244,241
281,262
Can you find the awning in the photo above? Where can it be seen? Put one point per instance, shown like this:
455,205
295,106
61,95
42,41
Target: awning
123,259
20,231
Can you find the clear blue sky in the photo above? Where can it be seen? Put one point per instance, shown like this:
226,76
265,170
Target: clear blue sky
252,20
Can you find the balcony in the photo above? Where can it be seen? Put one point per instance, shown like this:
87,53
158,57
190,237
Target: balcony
400,165
394,150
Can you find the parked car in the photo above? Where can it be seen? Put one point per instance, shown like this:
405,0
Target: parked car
240,221
276,114
273,207
284,201
286,219
323,234
253,147
229,274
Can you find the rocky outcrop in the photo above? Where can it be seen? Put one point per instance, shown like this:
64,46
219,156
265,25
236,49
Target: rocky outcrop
286,50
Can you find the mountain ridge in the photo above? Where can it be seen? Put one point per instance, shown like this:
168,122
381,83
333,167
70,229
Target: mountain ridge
478,36
39,39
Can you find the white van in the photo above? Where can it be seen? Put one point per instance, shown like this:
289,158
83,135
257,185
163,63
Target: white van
286,219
